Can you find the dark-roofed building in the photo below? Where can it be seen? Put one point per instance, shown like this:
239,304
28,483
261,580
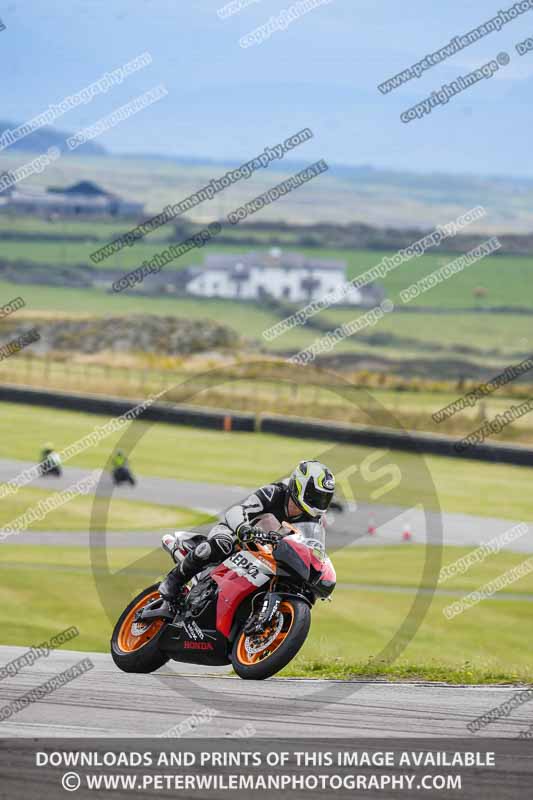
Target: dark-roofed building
83,199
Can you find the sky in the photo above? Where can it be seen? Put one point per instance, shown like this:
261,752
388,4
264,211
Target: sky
225,101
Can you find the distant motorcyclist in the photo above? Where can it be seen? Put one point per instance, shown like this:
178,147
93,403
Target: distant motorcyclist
50,462
120,469
306,496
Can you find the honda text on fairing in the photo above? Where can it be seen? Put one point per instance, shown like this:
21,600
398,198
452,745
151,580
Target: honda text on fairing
252,611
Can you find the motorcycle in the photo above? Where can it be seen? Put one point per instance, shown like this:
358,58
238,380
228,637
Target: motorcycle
252,611
51,465
122,475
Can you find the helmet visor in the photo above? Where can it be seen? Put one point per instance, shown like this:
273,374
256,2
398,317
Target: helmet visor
317,498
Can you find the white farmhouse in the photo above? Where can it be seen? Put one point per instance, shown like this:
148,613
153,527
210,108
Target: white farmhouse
286,276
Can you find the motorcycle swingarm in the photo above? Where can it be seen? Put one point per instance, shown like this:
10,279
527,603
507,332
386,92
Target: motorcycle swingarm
156,609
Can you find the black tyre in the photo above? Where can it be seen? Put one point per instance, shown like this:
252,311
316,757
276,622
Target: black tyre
282,641
135,648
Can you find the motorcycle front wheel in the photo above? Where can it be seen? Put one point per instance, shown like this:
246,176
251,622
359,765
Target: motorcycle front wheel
260,656
134,646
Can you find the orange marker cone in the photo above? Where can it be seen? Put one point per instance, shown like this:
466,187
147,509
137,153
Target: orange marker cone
371,530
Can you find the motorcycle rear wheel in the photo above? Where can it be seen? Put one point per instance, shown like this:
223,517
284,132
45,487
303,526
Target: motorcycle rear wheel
252,662
134,647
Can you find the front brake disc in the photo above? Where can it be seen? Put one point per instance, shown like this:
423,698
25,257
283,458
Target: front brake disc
255,644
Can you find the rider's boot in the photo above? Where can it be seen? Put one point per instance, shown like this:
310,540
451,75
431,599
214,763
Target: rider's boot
170,588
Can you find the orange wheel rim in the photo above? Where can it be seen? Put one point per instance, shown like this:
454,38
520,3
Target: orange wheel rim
244,657
130,640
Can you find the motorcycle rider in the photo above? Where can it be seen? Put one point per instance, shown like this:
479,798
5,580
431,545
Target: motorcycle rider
47,450
50,463
120,468
119,459
305,497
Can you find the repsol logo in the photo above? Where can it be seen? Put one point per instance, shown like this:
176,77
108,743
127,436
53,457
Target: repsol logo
240,560
198,646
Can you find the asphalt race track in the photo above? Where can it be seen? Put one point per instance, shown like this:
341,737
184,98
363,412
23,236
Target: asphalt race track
106,702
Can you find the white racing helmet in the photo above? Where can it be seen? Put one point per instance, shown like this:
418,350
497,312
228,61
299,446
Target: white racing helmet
312,486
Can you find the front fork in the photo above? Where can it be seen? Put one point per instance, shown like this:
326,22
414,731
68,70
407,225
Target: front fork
257,623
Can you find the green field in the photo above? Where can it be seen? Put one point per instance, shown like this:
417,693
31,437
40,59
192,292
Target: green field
248,459
502,277
490,340
485,643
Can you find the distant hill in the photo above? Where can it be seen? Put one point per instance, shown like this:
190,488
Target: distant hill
40,140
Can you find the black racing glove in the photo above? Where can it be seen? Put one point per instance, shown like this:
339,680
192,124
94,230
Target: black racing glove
247,533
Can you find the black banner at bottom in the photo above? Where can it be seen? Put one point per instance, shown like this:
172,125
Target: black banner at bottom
501,769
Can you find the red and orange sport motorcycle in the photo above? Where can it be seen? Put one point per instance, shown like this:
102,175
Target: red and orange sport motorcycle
252,611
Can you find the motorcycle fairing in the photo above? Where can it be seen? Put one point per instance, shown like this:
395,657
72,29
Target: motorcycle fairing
312,565
237,577
185,642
